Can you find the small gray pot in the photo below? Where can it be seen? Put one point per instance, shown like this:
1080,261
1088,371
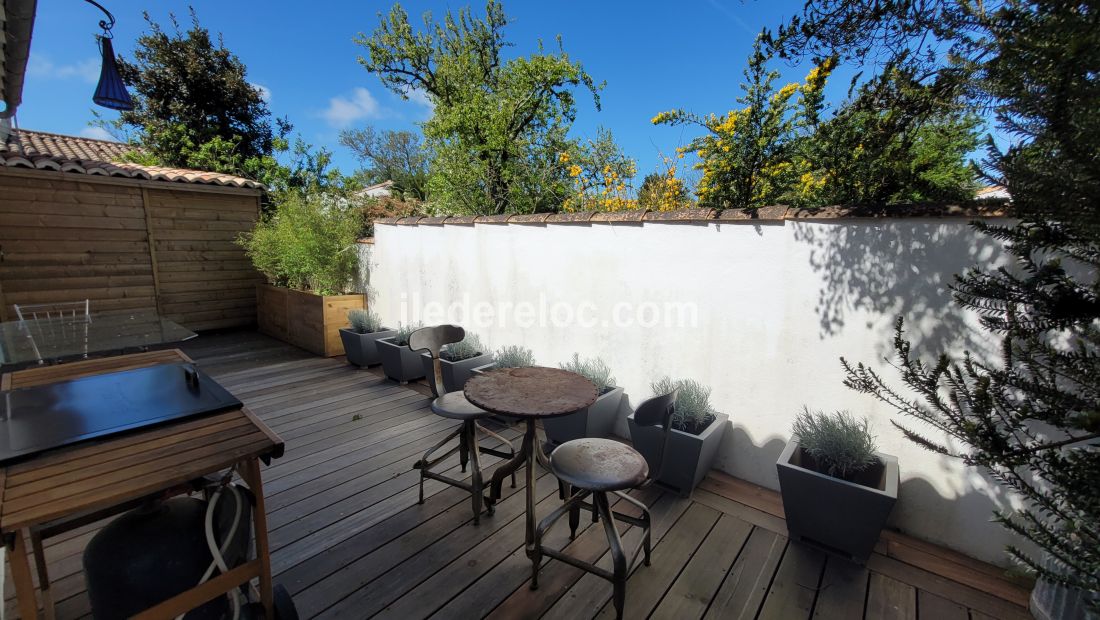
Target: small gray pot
689,456
455,374
597,420
841,517
362,349
399,362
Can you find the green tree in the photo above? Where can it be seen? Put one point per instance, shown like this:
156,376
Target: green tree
663,191
191,95
915,150
389,155
602,175
747,155
1031,418
498,125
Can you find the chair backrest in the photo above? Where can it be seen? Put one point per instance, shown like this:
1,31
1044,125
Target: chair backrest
53,322
658,411
432,340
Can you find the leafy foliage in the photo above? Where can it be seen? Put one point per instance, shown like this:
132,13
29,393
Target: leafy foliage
364,321
594,369
1032,417
693,411
840,445
664,190
307,243
601,174
498,125
746,154
470,346
513,356
390,155
401,338
191,94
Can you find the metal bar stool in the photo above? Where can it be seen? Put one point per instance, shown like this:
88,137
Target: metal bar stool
454,405
597,467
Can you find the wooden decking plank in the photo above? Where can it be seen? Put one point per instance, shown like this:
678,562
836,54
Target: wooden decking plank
745,513
794,589
449,580
696,586
746,584
843,591
951,590
401,578
591,592
932,607
513,574
556,578
388,414
890,599
647,584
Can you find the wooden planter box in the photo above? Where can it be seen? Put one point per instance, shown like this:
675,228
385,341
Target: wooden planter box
305,320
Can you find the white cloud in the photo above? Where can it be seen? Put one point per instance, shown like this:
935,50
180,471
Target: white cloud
265,92
86,70
343,111
419,97
97,133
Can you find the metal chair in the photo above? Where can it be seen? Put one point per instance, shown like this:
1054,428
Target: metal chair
454,405
55,323
597,467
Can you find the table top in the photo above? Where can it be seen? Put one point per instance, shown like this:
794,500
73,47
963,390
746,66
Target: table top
103,473
534,392
51,339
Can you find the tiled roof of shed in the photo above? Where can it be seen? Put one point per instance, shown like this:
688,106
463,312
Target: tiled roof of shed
39,150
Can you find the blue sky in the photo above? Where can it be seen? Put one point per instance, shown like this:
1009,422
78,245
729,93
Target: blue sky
653,56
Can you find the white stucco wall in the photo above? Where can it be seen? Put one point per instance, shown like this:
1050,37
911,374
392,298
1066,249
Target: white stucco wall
778,304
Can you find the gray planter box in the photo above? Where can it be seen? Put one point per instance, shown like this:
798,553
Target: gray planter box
455,374
1050,601
689,456
598,420
362,349
399,362
841,517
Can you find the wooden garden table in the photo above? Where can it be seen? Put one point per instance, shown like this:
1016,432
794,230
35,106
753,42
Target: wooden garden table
76,485
528,394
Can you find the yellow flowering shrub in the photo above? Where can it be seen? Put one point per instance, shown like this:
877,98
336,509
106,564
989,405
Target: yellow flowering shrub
602,176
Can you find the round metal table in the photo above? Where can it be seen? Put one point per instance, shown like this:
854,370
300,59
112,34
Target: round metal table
528,394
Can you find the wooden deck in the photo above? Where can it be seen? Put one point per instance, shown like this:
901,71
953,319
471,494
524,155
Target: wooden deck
350,541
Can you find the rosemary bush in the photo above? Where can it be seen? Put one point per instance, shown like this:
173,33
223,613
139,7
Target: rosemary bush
401,338
840,444
594,369
470,346
513,356
693,411
364,321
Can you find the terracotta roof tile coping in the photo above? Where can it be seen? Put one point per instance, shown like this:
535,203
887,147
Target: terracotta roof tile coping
40,150
775,213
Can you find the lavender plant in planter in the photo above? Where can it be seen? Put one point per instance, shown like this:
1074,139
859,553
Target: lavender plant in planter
837,490
693,439
457,362
399,362
597,420
511,356
361,340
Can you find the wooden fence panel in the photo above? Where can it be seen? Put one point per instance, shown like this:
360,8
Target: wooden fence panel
63,239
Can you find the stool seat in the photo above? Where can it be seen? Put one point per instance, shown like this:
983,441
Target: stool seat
599,465
454,405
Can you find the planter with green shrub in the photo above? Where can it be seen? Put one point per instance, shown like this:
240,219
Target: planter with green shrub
693,441
361,339
306,249
837,490
399,362
457,362
511,356
597,420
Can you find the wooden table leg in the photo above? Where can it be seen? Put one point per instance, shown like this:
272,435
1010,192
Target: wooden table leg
43,573
251,476
21,576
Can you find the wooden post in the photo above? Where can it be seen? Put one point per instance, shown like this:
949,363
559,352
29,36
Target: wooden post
152,245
